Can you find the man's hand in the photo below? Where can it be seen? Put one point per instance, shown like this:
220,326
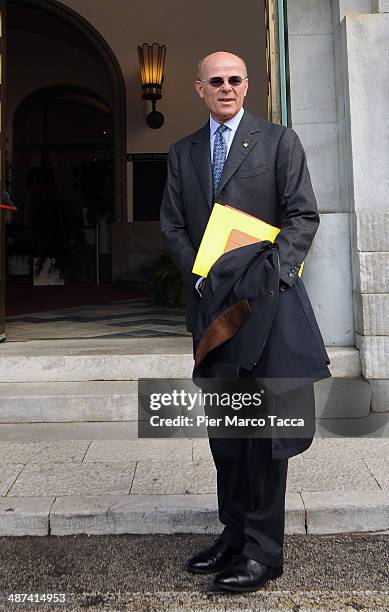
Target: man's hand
283,286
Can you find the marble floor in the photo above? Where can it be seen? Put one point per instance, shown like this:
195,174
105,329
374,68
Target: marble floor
135,318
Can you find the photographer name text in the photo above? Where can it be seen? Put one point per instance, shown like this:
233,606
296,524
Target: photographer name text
226,421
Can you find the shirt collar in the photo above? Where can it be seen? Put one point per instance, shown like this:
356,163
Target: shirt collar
232,123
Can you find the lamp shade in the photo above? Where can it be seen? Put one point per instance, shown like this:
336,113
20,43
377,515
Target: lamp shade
151,62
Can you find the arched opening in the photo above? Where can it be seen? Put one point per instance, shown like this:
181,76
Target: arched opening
59,24
66,118
62,181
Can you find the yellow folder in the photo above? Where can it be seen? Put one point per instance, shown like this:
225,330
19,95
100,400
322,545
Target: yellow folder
222,221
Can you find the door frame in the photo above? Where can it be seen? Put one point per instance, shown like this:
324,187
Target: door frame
3,212
277,61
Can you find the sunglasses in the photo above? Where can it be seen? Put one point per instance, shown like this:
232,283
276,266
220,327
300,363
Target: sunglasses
234,81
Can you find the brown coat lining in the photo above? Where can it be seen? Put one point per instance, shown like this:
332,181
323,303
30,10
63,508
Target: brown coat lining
222,329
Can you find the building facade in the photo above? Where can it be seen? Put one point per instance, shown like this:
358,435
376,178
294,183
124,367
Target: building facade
336,92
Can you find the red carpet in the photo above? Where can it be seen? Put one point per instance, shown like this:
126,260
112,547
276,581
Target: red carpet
24,299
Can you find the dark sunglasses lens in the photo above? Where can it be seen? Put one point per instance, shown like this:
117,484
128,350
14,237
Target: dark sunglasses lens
234,81
216,81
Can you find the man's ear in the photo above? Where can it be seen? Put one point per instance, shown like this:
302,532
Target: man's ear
246,89
199,88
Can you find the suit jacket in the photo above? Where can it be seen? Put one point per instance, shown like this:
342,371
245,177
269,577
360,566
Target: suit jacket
265,174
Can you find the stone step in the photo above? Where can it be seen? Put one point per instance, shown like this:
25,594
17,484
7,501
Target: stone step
95,380
120,359
67,402
110,401
322,512
375,425
58,432
95,359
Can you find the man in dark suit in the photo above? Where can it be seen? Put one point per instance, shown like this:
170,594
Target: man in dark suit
259,168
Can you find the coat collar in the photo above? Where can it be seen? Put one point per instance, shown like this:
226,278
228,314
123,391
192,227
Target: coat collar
244,141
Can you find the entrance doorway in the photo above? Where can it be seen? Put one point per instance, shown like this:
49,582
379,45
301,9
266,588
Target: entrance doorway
47,22
64,162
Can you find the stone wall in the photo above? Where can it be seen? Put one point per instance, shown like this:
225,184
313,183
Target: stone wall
340,109
339,78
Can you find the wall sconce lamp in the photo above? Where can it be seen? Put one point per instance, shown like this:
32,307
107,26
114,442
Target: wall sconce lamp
151,61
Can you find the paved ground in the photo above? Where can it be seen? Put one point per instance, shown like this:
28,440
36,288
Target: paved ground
138,573
134,318
155,467
82,478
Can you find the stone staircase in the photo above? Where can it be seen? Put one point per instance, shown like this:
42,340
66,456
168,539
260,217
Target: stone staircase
95,380
71,460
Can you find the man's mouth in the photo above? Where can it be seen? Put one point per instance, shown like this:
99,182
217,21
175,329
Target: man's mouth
226,99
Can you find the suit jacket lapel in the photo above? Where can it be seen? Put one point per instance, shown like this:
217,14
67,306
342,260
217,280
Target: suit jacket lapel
201,157
245,139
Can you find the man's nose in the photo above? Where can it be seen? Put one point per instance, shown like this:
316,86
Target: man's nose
226,86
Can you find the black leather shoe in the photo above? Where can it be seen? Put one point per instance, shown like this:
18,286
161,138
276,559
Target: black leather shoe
213,559
246,575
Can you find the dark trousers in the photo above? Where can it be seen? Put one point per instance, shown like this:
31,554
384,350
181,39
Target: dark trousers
251,496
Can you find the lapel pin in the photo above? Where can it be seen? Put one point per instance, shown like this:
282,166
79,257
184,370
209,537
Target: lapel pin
245,144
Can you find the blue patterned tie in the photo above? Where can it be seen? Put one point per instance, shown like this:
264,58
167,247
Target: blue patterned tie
219,156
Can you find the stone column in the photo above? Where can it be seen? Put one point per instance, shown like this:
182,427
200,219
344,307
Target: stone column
363,86
315,117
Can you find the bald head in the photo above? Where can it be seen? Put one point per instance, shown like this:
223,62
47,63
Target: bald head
219,57
223,99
